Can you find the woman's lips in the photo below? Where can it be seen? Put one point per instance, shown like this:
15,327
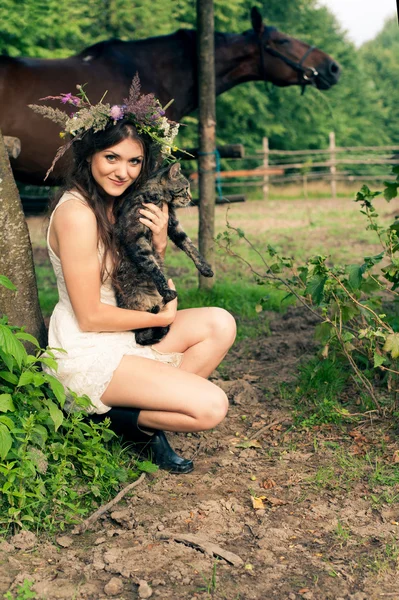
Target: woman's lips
118,182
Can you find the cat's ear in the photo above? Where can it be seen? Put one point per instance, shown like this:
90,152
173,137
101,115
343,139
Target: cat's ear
174,171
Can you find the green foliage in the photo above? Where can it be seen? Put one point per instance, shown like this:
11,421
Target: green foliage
348,300
23,591
53,465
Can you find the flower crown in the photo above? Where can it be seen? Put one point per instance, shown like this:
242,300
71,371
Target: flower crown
143,110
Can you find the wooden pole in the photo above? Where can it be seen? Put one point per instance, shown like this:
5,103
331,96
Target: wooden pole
266,166
207,134
16,260
333,168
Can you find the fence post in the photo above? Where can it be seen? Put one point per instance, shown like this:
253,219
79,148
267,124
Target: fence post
333,168
265,166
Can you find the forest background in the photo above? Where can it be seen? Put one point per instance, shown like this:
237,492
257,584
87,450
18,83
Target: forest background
361,109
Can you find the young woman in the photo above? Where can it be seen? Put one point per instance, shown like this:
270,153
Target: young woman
144,390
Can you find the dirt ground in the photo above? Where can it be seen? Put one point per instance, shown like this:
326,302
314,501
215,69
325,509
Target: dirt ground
303,541
272,510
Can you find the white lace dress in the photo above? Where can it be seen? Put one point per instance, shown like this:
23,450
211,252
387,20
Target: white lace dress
91,357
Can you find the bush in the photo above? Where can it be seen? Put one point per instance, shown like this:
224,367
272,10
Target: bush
54,465
356,304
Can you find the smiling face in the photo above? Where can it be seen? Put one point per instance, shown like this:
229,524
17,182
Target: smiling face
117,167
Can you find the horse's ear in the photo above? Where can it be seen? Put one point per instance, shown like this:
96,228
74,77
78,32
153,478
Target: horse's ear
174,170
257,21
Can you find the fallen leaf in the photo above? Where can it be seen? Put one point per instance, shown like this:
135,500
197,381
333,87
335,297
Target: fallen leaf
358,450
304,591
395,457
257,502
268,484
358,437
277,427
249,444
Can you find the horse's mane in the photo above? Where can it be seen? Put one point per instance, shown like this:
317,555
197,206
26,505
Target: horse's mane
100,48
97,50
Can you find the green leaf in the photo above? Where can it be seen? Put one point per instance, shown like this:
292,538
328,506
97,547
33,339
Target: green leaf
39,435
5,441
6,403
21,335
55,414
7,360
57,388
392,344
378,359
10,377
50,362
7,421
5,282
9,344
315,288
38,379
26,378
355,275
391,190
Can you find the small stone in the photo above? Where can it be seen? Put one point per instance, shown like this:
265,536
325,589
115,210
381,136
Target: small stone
144,589
64,541
24,540
99,541
158,582
113,587
186,581
6,547
161,527
111,556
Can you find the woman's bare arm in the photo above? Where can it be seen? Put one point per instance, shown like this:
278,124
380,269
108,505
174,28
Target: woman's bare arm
75,230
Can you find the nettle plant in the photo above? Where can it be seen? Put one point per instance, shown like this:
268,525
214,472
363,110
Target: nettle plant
354,303
53,465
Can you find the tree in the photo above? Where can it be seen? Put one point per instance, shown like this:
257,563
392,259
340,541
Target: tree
16,261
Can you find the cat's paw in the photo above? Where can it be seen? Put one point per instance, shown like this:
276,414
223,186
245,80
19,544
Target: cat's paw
169,295
206,270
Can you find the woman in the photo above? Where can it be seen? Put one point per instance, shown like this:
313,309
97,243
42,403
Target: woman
144,390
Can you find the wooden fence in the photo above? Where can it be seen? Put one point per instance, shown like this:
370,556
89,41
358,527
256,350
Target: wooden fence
332,164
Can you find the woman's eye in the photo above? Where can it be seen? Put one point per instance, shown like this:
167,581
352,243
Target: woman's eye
110,157
135,161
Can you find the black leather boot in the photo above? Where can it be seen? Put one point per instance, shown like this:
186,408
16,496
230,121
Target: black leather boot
152,443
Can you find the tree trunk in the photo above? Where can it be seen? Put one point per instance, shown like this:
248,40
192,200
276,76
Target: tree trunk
16,260
207,131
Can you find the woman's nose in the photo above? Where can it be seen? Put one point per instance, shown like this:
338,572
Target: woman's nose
121,170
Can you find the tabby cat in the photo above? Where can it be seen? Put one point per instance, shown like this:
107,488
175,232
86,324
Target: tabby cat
140,281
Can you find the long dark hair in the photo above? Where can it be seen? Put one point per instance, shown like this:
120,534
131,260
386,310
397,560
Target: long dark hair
79,178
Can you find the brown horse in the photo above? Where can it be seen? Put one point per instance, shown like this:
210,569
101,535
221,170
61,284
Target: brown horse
167,67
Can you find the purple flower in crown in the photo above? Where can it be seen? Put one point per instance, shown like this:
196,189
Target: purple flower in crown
68,98
117,112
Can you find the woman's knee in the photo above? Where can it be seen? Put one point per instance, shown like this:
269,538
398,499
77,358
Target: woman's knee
214,410
222,325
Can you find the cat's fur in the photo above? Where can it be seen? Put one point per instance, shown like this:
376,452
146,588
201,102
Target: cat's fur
141,283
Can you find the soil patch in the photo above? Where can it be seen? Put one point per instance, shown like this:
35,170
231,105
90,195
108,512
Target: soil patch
256,492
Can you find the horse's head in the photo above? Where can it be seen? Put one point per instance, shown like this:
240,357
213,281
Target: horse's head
284,60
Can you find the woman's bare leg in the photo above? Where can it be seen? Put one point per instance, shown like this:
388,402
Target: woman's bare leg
204,335
169,398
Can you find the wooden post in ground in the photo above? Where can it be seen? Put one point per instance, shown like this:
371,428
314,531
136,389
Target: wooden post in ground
207,134
333,168
266,165
16,260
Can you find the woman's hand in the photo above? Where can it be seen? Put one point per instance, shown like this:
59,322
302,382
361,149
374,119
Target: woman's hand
157,220
168,313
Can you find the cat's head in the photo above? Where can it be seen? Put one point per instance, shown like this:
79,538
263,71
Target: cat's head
176,186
